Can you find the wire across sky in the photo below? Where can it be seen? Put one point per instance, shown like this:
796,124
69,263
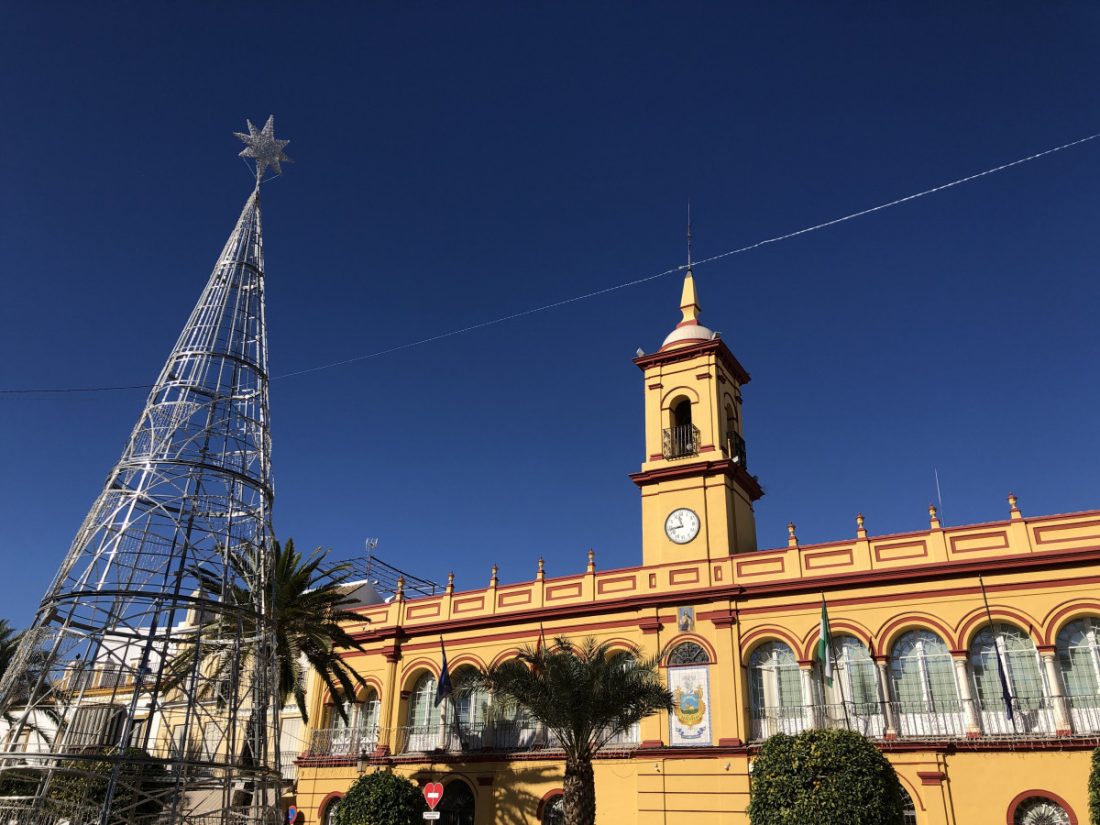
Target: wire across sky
15,393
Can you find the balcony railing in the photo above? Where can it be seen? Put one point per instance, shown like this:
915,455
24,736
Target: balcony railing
1084,713
489,736
735,447
680,441
343,741
1031,718
927,720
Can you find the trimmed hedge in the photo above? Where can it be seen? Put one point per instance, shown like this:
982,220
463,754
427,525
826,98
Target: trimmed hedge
1094,789
381,798
823,777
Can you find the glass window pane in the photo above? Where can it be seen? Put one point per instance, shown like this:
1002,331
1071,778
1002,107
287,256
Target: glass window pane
1078,647
922,675
688,653
1021,663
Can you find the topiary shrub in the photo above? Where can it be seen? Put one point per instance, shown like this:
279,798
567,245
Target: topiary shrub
1094,789
381,798
823,776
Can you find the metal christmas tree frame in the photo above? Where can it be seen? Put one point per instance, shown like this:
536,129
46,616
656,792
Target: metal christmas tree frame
144,692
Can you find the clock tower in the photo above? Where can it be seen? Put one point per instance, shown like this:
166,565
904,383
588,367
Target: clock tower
697,494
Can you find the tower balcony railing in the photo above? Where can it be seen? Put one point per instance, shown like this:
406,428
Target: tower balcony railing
680,441
735,448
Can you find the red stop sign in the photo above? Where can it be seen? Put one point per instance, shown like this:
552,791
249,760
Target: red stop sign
433,792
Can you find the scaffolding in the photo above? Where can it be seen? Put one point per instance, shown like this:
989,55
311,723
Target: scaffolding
144,692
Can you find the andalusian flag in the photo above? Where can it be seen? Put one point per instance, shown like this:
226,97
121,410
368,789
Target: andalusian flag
824,645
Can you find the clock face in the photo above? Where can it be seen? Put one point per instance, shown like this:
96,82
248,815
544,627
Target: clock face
682,525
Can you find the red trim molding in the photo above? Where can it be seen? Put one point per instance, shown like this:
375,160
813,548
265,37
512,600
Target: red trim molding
547,798
724,466
650,625
1053,797
931,777
322,809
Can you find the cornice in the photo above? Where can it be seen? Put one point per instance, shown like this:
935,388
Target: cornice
717,347
727,467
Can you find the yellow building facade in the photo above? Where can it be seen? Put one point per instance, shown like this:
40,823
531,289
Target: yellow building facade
918,621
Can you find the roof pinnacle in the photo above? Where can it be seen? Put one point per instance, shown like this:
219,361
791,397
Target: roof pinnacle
689,301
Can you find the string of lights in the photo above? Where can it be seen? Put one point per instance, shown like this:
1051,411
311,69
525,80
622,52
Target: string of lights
16,392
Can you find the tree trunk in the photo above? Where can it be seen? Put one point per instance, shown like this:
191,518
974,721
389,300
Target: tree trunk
580,793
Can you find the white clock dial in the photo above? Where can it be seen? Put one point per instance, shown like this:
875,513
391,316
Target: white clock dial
682,525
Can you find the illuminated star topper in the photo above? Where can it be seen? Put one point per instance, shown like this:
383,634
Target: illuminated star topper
261,145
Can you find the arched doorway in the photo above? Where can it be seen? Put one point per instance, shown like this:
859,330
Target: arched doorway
457,805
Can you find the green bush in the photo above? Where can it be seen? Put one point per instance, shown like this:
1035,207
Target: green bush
823,777
1094,789
381,798
18,782
139,794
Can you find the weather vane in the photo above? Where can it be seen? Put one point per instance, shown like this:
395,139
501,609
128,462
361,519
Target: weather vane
261,145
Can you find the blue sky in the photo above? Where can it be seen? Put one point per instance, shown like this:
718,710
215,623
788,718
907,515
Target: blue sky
460,162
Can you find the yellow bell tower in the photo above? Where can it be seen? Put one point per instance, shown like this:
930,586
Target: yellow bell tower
697,494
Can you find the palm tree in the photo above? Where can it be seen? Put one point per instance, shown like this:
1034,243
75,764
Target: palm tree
9,642
585,694
309,601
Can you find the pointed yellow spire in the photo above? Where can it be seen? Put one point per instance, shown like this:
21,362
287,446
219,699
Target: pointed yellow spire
689,302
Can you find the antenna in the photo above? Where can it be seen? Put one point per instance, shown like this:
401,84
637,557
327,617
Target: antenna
939,495
689,234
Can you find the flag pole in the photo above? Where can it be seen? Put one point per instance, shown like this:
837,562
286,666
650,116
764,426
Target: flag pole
821,666
1006,691
828,635
445,691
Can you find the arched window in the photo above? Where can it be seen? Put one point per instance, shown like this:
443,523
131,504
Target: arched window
329,816
471,706
368,720
553,813
688,653
1040,810
908,809
775,691
1023,672
424,717
852,700
1078,647
457,805
922,678
626,662
680,439
339,736
681,413
471,715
